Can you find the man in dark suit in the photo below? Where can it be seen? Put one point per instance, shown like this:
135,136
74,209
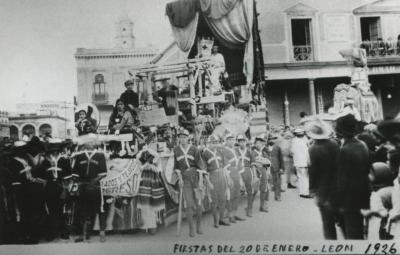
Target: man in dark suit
322,173
352,178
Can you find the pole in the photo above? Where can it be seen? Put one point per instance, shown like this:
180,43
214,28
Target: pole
179,223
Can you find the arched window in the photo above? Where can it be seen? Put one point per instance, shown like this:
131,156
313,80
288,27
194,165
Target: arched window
45,129
99,85
14,133
29,130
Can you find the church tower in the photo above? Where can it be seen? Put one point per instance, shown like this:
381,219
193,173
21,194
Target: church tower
124,33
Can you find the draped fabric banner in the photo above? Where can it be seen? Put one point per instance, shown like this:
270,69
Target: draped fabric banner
181,12
216,9
234,29
185,37
230,21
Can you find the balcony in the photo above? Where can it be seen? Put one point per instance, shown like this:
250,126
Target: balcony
303,53
381,49
100,99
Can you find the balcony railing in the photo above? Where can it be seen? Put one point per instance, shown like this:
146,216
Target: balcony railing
303,53
380,49
100,99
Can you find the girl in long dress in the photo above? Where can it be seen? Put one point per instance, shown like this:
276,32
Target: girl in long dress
151,195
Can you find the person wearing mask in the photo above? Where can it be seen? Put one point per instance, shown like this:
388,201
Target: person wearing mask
352,178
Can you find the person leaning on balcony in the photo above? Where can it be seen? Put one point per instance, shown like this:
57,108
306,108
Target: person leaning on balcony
381,47
121,120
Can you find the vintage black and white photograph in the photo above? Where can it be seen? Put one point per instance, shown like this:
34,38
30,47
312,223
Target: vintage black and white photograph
199,126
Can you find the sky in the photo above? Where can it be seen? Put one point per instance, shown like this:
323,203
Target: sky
38,39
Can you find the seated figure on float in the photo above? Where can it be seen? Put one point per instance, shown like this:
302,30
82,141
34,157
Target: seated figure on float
121,122
84,122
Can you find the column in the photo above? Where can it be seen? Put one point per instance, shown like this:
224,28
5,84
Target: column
200,82
379,98
192,82
286,113
320,100
311,92
149,88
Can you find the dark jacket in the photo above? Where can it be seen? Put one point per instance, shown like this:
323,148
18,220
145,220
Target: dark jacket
130,97
276,159
323,169
352,181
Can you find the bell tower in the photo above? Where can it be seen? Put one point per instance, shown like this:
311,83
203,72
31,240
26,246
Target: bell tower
124,37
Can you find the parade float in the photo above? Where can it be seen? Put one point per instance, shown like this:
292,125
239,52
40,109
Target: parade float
357,97
204,95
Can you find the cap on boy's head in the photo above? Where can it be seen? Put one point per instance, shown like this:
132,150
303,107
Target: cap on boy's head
128,82
240,138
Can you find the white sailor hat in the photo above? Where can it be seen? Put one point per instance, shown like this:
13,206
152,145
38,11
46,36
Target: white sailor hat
183,132
240,137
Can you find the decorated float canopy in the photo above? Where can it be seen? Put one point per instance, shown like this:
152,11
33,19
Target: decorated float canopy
230,24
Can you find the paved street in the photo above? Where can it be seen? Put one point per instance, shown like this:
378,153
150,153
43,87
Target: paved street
293,218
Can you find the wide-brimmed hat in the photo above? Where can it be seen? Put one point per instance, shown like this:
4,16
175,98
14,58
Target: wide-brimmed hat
299,131
259,138
318,129
389,127
229,136
55,144
35,145
347,125
19,147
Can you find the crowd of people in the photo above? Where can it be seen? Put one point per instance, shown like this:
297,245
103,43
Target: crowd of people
349,168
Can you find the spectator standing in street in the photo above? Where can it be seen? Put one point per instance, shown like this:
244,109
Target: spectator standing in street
323,166
301,161
352,178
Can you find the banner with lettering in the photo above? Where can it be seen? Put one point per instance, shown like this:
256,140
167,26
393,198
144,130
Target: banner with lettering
123,178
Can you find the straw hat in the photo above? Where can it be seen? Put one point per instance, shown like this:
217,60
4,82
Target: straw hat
318,129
